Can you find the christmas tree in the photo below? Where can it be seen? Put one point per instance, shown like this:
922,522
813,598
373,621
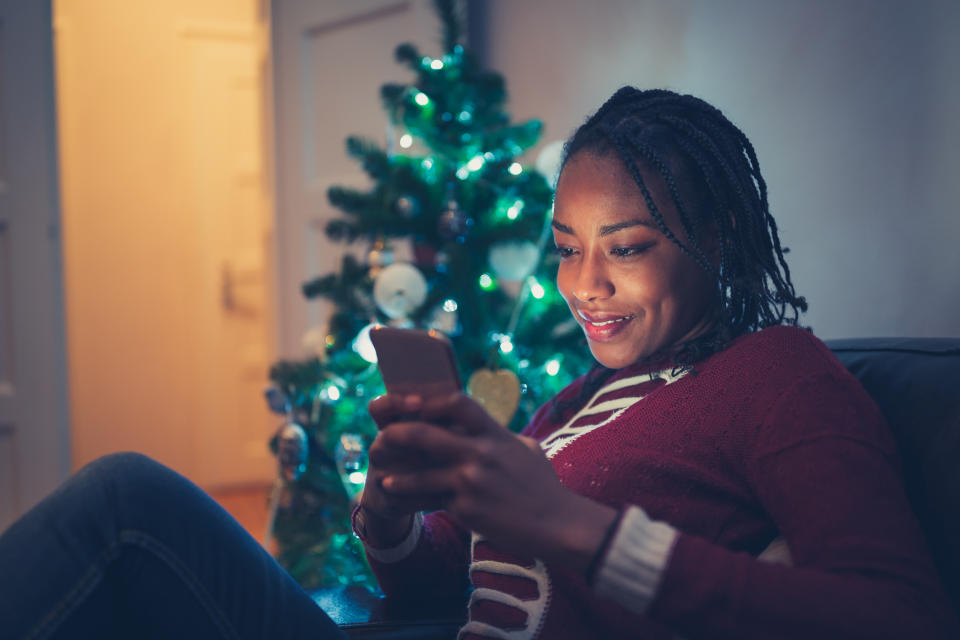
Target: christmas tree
451,184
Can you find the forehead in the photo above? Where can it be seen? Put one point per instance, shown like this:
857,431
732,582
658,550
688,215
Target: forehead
601,190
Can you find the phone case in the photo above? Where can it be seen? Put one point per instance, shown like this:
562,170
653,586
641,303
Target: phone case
414,362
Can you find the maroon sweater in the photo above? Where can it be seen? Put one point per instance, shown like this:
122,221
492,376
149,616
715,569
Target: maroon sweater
770,438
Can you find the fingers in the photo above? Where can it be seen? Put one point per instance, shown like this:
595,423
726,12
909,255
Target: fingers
391,408
531,444
428,441
461,412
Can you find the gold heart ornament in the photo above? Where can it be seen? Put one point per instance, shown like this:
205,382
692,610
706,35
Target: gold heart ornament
497,391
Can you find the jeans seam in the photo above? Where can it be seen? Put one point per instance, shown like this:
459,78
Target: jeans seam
68,602
186,575
90,579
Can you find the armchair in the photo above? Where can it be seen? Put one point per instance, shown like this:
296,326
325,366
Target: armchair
916,384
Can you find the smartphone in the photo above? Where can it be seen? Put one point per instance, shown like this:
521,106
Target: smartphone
414,362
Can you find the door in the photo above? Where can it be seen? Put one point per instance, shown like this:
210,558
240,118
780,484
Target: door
330,59
34,433
167,229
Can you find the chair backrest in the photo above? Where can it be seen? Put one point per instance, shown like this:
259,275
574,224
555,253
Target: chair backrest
916,384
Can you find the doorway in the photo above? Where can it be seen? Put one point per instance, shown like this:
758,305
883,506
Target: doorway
163,113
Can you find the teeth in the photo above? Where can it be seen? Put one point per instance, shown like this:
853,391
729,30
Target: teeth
606,322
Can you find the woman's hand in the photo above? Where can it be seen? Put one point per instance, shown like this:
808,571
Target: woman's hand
493,481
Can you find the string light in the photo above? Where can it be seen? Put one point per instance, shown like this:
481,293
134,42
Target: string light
357,477
421,99
536,289
514,211
515,169
486,282
506,345
333,393
427,164
406,140
449,305
552,367
436,65
476,162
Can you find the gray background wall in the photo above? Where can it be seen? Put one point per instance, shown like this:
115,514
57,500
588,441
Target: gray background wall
853,107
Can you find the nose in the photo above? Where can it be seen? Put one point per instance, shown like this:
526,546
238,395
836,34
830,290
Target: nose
592,281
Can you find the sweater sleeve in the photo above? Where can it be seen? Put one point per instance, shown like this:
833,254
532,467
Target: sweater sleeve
824,467
431,563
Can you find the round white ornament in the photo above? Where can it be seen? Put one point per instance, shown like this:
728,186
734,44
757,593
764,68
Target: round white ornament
399,289
513,260
363,345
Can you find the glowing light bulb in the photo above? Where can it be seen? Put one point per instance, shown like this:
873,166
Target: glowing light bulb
536,289
449,305
421,99
357,477
333,393
515,169
436,65
406,140
463,173
506,346
486,282
427,163
514,211
552,367
475,163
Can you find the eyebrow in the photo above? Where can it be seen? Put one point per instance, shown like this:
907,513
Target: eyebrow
607,229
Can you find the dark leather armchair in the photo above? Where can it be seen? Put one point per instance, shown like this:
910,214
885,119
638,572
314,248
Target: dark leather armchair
915,382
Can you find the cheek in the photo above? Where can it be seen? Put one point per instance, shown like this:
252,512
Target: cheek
565,279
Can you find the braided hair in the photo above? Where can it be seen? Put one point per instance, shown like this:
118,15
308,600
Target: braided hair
711,174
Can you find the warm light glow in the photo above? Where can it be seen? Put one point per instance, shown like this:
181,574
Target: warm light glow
515,169
406,140
421,99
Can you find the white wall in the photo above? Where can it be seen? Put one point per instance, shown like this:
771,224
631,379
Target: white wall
852,106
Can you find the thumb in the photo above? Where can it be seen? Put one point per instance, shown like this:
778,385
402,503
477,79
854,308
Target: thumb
531,444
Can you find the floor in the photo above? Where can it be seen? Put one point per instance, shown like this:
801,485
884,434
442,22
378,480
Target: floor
248,505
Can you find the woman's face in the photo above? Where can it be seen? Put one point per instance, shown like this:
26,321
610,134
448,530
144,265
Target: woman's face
632,290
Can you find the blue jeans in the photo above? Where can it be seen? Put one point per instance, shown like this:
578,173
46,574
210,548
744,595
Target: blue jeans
128,548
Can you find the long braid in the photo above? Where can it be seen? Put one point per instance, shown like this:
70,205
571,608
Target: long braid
709,164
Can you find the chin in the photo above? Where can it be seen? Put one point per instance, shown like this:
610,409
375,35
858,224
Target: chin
613,358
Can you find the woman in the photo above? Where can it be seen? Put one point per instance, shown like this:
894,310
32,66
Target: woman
638,503
651,497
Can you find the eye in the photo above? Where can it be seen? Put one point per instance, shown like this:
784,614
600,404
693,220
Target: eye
563,252
630,251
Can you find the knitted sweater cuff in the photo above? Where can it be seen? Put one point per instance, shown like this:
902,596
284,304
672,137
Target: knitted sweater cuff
400,551
635,560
